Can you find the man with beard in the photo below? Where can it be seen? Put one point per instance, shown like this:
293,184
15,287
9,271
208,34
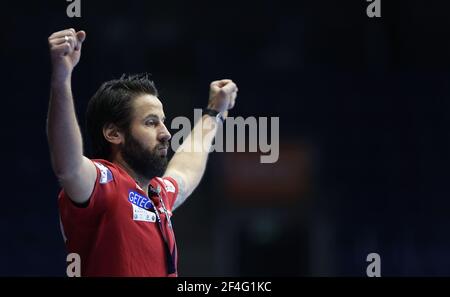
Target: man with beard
115,208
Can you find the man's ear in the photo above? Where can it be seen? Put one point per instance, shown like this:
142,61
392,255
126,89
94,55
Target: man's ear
113,134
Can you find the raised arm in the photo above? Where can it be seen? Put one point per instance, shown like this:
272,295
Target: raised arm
76,173
188,164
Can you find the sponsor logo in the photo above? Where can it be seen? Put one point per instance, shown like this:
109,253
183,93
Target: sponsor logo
169,186
140,200
140,214
105,173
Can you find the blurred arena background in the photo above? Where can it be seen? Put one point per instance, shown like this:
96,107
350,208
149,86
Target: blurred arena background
364,108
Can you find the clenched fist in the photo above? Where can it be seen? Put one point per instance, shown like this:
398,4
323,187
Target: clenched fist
222,95
65,51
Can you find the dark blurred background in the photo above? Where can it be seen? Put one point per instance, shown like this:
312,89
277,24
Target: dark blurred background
364,145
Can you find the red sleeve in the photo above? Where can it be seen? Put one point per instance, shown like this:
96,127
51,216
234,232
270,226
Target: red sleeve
98,201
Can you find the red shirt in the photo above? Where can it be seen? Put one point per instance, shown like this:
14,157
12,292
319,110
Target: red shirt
118,233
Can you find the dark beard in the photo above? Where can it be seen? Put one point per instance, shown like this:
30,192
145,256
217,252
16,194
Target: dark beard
145,163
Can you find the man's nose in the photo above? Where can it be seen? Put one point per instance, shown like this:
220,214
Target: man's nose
164,135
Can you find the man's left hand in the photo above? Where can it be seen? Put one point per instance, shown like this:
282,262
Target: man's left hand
222,95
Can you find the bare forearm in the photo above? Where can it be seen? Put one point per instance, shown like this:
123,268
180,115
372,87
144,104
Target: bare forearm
191,157
64,136
189,162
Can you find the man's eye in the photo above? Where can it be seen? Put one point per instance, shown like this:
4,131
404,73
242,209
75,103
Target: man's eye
150,123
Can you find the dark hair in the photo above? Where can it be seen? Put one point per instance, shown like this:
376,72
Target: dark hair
112,103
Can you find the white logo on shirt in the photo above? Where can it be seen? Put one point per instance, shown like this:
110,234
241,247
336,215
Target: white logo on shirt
140,214
105,173
169,186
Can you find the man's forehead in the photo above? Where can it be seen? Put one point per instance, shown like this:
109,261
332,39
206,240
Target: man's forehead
148,104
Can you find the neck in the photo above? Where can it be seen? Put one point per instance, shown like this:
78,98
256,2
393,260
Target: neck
143,182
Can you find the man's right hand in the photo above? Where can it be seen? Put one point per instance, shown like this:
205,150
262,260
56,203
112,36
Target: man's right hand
76,173
65,51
